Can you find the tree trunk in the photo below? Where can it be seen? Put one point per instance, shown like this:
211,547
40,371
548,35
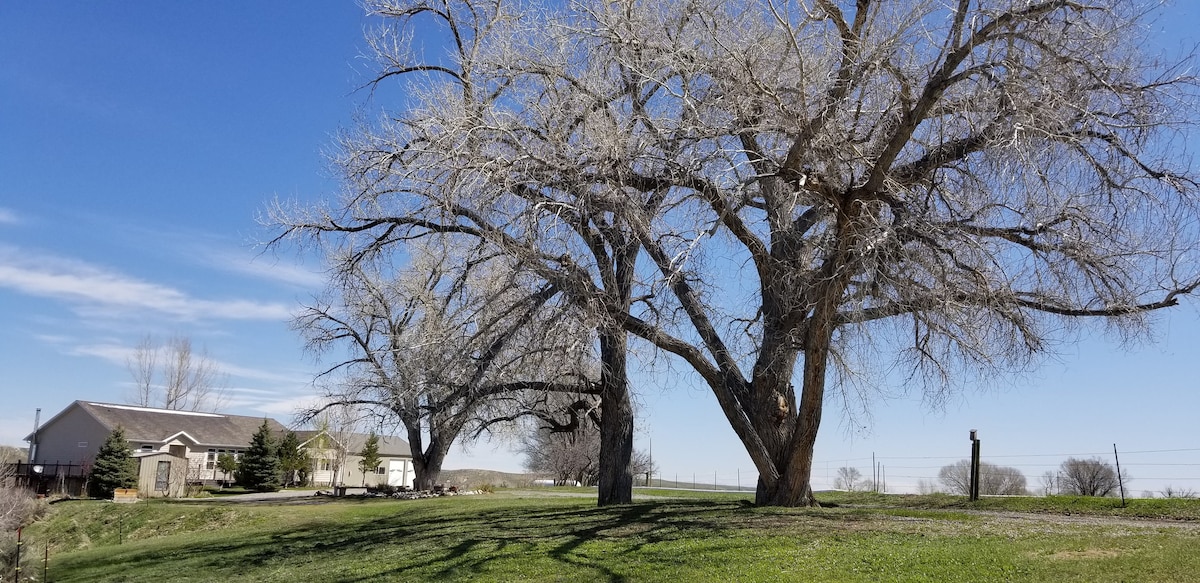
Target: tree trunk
615,480
427,462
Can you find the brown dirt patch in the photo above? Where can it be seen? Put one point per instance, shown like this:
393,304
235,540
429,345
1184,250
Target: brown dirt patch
1084,554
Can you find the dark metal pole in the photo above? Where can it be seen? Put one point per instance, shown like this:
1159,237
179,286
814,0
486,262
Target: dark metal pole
973,489
1120,482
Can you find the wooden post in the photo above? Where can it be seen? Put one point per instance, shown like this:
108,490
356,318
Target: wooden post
17,576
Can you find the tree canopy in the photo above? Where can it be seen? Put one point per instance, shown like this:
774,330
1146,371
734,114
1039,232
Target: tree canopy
795,199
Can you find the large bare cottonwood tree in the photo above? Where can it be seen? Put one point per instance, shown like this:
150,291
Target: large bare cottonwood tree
792,195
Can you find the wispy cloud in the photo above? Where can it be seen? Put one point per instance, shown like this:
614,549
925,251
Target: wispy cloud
117,353
8,216
267,267
88,287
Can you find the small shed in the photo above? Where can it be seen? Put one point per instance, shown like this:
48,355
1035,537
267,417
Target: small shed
161,474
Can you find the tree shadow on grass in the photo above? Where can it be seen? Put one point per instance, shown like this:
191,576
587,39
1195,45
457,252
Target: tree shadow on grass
427,542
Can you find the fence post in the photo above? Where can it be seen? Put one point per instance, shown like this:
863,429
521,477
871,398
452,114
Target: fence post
18,571
974,484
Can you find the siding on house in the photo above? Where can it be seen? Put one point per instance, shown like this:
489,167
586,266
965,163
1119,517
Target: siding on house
71,437
395,464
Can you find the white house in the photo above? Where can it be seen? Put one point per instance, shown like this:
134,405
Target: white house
336,460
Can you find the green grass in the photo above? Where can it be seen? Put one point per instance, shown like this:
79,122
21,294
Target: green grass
1161,508
505,538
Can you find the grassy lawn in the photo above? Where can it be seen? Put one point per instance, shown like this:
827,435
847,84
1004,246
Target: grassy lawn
715,538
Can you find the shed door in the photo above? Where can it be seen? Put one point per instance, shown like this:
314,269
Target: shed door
162,476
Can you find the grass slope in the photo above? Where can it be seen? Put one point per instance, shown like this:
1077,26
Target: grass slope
504,538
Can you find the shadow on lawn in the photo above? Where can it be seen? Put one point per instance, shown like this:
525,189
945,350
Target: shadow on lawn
432,542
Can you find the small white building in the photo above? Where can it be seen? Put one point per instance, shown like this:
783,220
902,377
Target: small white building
336,460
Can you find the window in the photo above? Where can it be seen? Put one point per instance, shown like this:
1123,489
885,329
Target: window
147,447
323,465
381,470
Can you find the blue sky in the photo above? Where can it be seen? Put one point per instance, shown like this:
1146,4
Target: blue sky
139,142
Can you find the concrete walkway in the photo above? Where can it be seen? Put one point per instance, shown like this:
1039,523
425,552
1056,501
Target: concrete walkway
258,496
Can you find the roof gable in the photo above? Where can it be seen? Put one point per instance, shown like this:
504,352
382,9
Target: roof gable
389,446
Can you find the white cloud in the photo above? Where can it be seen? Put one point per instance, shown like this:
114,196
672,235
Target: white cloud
120,354
269,268
96,290
8,216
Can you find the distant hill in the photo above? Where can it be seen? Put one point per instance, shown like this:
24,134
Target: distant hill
10,454
472,479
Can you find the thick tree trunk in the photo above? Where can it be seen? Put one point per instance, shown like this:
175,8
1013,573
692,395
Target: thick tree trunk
427,462
615,484
799,425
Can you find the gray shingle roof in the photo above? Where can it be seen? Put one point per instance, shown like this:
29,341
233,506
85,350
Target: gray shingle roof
389,446
157,425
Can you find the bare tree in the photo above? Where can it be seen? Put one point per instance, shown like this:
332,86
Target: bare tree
18,507
926,487
434,346
336,425
572,456
1049,482
173,375
567,457
1177,492
1088,477
994,480
811,184
847,478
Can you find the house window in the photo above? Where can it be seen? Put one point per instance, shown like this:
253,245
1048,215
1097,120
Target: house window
147,447
381,470
323,465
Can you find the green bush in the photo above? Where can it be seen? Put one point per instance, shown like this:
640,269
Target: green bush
114,467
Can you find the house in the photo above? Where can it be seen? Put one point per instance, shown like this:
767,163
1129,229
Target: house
176,448
191,440
336,460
